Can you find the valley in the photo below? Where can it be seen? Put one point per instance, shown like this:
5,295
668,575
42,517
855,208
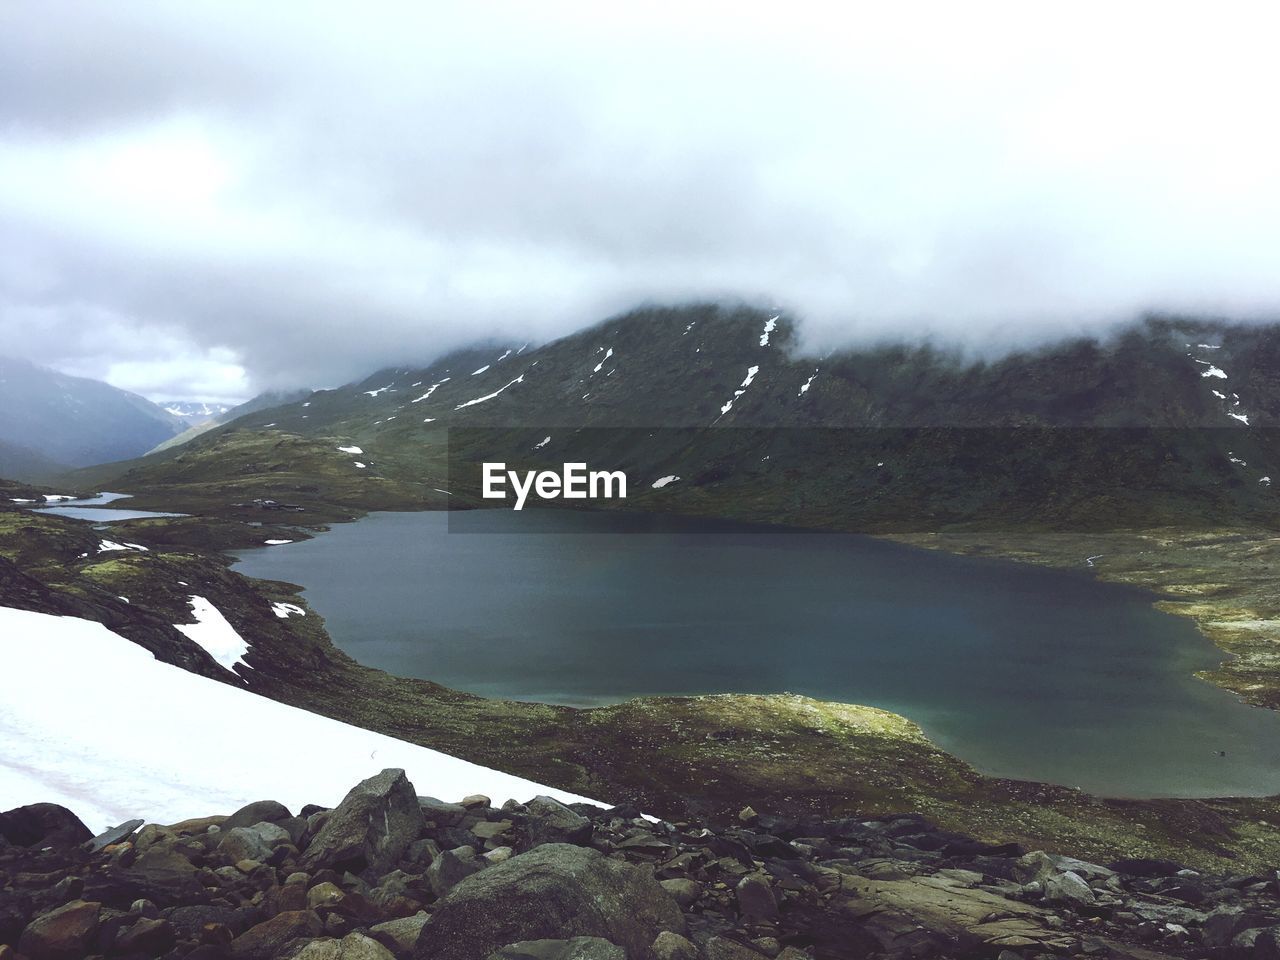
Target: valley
289,473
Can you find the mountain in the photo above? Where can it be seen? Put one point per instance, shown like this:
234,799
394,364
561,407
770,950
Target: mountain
218,414
195,412
713,410
49,418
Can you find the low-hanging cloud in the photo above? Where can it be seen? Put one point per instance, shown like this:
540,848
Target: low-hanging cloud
207,198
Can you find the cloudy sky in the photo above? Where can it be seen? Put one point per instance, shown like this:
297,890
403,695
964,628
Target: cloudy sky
206,199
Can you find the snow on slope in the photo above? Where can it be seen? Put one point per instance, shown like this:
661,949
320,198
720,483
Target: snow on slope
213,634
92,721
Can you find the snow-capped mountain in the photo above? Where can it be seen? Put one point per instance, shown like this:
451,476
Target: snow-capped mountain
194,412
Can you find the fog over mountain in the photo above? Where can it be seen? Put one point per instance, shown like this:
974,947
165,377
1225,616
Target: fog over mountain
208,199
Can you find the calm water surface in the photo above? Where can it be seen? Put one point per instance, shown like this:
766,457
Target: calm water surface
90,508
1021,671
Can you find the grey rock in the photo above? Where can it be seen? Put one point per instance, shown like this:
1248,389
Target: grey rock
577,948
444,814
354,946
451,868
550,821
1068,887
114,835
260,811
686,892
1266,945
672,946
755,898
370,829
553,891
399,935
266,940
722,948
62,934
252,843
1222,925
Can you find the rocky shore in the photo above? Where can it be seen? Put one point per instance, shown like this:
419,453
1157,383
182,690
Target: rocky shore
389,873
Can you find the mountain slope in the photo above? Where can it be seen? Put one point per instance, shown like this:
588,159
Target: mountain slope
198,426
73,420
1167,422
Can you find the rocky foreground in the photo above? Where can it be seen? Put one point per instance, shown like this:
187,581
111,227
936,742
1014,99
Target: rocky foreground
388,873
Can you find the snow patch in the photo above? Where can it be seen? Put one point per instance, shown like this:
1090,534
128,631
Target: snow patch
106,546
804,387
490,396
751,375
663,481
769,326
276,543
286,610
213,634
480,371
351,450
430,390
374,393
1242,417
359,465
542,443
85,755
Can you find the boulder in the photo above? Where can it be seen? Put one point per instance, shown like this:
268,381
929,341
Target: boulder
1069,888
260,811
257,842
451,868
354,946
370,829
43,824
267,939
554,891
550,821
755,898
148,937
685,891
672,946
577,948
114,835
63,934
399,935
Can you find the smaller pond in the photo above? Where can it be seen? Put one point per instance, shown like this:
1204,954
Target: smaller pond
90,508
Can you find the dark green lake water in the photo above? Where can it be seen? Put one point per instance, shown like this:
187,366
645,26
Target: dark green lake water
1021,671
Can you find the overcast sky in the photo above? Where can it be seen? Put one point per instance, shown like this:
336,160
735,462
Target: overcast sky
205,199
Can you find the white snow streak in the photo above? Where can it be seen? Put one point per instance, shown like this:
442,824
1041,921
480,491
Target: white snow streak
769,326
351,450
430,390
751,375
663,481
490,396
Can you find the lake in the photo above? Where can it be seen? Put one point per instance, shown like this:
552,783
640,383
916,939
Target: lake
1022,671
90,508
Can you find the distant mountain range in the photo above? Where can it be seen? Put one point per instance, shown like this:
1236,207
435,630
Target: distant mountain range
49,420
195,412
1167,421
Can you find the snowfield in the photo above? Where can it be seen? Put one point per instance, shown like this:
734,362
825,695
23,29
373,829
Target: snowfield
92,721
